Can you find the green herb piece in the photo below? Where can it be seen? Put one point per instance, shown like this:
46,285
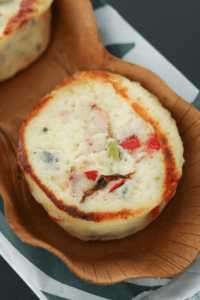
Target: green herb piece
113,151
157,178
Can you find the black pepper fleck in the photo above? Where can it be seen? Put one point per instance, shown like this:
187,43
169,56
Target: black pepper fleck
102,182
45,129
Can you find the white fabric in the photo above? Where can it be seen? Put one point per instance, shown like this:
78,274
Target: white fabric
149,281
6,251
38,280
113,29
184,286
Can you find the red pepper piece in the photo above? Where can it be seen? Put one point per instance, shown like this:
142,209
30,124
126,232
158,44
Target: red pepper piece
116,185
141,158
64,112
152,144
155,211
89,140
23,22
71,178
92,175
131,143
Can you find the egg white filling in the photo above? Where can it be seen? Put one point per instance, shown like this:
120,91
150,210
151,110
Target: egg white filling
77,139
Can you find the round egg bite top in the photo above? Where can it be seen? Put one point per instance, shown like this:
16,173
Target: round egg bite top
102,147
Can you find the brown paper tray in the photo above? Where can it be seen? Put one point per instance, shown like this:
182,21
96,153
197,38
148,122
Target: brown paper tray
168,245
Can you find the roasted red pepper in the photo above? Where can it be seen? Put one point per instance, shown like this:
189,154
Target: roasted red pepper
152,144
23,22
131,143
118,184
92,175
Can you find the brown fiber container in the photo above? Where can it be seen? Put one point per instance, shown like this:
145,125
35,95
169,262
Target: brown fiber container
170,243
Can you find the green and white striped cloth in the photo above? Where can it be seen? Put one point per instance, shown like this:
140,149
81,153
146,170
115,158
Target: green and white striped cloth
45,273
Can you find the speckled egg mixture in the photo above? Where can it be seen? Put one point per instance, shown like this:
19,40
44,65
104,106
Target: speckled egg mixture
8,9
21,46
90,151
24,34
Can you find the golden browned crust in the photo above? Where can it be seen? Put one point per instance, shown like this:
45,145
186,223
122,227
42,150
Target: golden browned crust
172,177
22,17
